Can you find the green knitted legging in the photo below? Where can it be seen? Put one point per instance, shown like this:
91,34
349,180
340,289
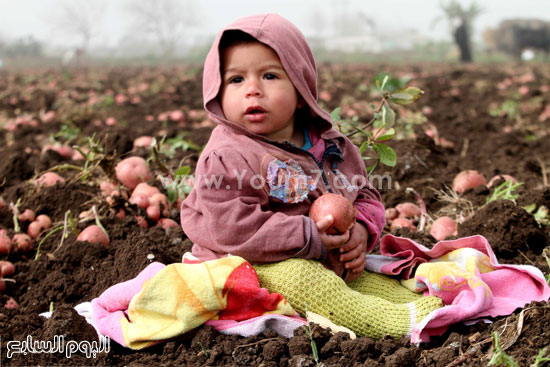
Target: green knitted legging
373,305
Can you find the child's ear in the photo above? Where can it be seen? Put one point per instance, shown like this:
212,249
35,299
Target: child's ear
301,102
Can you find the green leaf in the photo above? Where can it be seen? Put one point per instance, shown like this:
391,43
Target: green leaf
530,208
378,123
388,116
182,171
387,135
386,154
363,147
335,114
406,96
384,82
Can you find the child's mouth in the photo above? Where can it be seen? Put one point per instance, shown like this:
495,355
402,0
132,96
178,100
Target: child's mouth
255,113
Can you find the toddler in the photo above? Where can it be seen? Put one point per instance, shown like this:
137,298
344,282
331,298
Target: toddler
272,154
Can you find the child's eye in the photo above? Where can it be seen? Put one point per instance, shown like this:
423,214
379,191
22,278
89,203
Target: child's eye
270,76
235,79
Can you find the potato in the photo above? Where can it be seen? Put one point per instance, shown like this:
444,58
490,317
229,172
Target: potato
143,141
408,210
34,229
48,179
168,223
94,234
131,171
6,268
22,241
336,205
44,220
6,243
468,179
28,215
153,212
401,222
443,227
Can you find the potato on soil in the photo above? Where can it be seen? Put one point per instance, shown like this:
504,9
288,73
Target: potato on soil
23,242
94,234
468,179
444,227
131,171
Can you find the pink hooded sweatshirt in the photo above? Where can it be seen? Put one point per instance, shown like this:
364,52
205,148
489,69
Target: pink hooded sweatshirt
252,195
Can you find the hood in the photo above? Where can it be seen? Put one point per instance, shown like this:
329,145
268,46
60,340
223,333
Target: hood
291,47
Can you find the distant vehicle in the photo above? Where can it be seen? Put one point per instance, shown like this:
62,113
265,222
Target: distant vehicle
514,36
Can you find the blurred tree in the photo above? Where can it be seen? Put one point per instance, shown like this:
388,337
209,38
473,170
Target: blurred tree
461,23
25,46
82,18
167,20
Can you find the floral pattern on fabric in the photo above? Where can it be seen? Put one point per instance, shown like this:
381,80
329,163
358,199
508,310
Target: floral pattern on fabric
288,182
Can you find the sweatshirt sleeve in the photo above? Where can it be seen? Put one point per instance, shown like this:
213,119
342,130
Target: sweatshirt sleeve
370,209
228,212
371,212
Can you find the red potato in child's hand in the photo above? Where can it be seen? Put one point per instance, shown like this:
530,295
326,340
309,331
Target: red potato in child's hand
444,227
401,222
22,241
94,234
336,205
5,243
468,179
131,171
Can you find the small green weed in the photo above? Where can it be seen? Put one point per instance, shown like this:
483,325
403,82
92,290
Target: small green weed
505,191
500,358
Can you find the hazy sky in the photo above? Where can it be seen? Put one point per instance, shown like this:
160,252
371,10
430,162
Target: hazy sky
20,18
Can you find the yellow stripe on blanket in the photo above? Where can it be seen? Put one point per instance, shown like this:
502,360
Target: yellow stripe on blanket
180,297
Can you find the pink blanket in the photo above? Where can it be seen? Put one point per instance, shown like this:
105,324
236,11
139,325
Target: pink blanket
466,275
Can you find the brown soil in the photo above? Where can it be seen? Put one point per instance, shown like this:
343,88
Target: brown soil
64,276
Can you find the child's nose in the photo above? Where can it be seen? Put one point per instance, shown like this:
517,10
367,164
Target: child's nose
253,88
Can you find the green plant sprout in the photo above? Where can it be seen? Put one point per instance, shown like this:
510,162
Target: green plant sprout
204,350
505,191
178,142
509,108
94,159
68,133
15,210
180,186
540,358
314,351
500,358
546,255
542,215
68,224
380,127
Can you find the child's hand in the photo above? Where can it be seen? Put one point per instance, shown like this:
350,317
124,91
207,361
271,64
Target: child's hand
353,253
331,241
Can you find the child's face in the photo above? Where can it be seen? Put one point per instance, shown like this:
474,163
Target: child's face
256,91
